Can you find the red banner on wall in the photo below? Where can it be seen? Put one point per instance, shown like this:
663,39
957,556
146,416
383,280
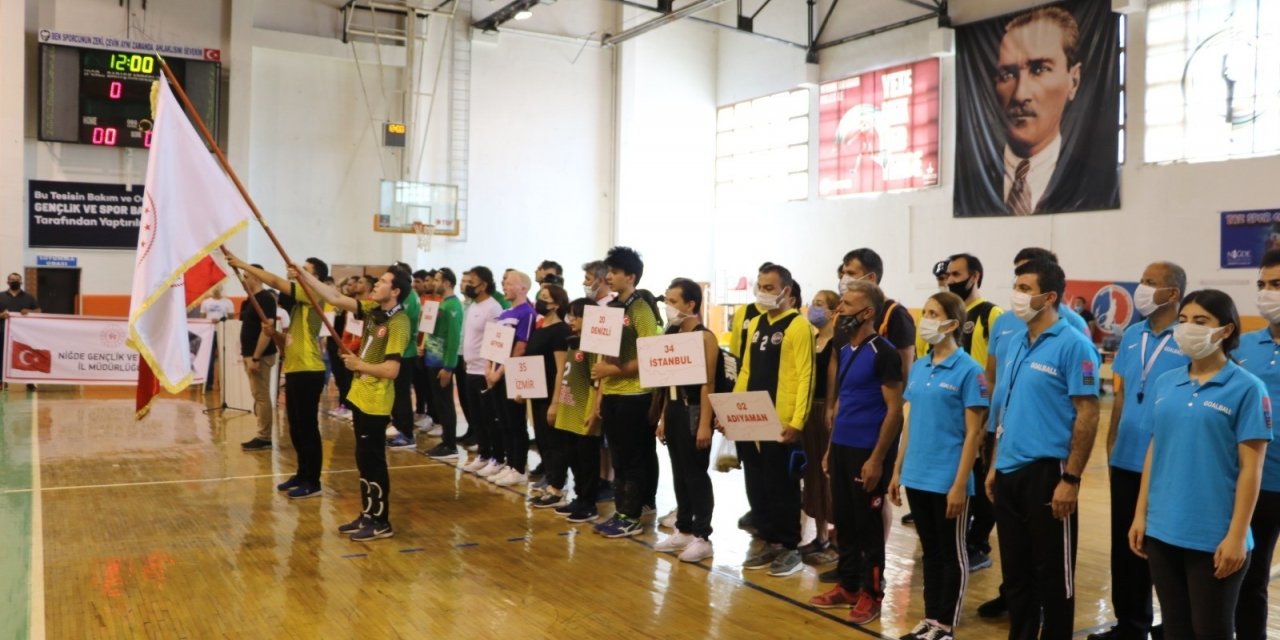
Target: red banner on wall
879,131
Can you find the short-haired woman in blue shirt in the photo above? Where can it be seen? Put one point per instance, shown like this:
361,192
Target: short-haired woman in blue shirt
947,396
1210,424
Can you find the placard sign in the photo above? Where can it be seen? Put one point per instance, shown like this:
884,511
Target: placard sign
427,321
747,416
672,360
526,378
602,330
498,340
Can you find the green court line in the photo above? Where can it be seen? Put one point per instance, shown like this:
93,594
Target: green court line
15,520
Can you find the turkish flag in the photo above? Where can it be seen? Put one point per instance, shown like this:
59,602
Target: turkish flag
28,359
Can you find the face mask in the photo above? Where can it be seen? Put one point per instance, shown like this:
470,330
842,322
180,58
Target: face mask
1079,308
674,315
767,301
931,330
589,292
844,283
1144,300
818,316
851,323
962,289
542,307
1021,303
15,286
1196,341
469,291
1269,305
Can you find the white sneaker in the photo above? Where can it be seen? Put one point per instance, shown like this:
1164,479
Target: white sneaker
511,478
669,520
435,431
674,542
502,473
475,465
423,420
392,431
697,551
491,469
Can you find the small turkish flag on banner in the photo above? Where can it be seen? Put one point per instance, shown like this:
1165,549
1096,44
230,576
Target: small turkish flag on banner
28,359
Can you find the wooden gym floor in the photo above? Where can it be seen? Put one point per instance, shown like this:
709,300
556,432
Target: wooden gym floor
166,529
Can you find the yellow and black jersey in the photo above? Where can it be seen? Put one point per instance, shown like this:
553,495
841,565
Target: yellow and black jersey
779,359
384,338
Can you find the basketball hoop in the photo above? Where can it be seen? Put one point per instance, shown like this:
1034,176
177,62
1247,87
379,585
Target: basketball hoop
424,232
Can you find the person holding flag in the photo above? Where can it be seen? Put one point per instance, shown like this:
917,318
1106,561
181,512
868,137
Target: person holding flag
387,329
303,372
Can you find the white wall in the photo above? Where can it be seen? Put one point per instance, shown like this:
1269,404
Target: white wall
666,136
1168,212
541,156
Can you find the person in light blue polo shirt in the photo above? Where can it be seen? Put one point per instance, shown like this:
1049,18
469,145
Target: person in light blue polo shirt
946,391
1210,424
1004,327
1259,354
1146,351
1044,436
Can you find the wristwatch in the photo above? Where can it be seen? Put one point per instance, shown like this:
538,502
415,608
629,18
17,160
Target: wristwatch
1070,479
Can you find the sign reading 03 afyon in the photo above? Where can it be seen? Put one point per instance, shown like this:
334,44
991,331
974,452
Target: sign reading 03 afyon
83,215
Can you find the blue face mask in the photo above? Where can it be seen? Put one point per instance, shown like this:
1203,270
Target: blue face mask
818,316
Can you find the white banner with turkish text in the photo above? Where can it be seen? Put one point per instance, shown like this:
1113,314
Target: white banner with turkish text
85,350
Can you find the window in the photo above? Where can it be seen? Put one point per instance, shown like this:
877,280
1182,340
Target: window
1213,89
762,149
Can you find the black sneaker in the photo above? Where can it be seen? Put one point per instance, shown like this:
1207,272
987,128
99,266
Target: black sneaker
373,531
564,511
441,452
584,515
304,490
910,519
978,560
547,501
256,444
292,482
355,525
993,608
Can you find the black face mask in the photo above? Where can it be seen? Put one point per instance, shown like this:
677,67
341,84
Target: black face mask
15,286
962,289
849,325
469,291
542,307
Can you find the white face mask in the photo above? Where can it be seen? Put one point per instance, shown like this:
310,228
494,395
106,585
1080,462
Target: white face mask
844,283
931,330
1144,298
1269,305
1195,340
589,292
1021,303
767,301
674,315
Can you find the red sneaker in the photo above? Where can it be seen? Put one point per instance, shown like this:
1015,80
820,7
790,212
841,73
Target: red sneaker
837,597
865,610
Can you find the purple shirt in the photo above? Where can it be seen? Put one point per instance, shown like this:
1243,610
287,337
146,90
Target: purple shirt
522,317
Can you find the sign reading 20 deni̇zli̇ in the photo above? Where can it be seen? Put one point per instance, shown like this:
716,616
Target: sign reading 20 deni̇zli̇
83,215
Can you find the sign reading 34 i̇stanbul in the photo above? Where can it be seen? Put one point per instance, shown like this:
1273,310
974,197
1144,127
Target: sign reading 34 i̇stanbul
879,131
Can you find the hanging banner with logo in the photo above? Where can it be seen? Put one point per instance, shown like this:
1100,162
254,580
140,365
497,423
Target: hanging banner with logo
879,131
1246,235
1038,111
1110,304
85,350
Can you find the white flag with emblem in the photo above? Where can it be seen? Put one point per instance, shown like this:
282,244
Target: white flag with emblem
190,207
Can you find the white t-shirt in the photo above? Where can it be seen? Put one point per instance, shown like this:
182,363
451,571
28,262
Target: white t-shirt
479,314
216,309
